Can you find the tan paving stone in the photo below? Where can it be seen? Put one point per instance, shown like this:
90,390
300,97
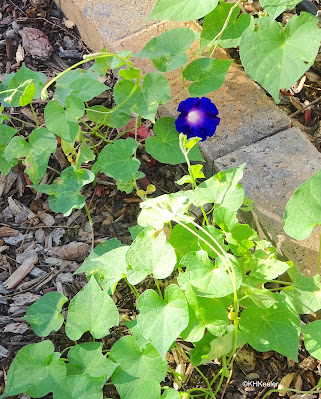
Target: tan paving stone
275,168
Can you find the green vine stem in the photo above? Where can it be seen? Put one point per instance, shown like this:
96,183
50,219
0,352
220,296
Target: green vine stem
88,57
220,33
196,368
91,227
132,288
34,114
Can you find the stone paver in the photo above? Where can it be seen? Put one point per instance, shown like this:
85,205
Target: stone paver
275,167
102,22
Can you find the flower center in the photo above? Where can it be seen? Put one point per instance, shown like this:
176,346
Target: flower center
194,116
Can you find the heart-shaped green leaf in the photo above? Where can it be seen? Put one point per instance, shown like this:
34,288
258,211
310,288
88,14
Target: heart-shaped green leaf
97,309
214,22
204,314
36,153
210,347
207,74
164,147
14,80
182,10
36,370
312,338
81,83
108,266
87,358
6,132
171,394
45,315
167,51
150,254
64,123
116,160
162,320
79,387
305,294
64,192
139,371
160,210
208,280
183,241
276,7
303,211
276,328
264,262
221,189
268,55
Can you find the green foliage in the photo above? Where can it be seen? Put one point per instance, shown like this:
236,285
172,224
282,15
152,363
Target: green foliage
276,7
204,314
276,328
64,123
117,160
214,22
150,254
164,146
79,83
268,55
97,309
64,192
211,347
139,371
36,153
159,315
207,74
211,282
107,262
312,338
182,10
88,359
168,50
303,210
6,132
45,315
15,83
46,366
208,280
305,293
221,189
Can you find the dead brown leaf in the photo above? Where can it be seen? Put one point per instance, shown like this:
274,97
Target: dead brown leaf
72,251
6,231
286,382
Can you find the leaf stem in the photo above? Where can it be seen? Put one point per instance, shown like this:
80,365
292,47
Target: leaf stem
91,227
34,114
87,58
132,288
196,368
158,287
319,257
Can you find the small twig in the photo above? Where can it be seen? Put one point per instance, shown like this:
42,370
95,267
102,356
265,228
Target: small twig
305,107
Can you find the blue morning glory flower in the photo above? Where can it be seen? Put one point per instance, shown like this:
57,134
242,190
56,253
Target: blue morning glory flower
198,118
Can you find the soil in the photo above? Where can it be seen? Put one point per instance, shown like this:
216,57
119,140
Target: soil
29,229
